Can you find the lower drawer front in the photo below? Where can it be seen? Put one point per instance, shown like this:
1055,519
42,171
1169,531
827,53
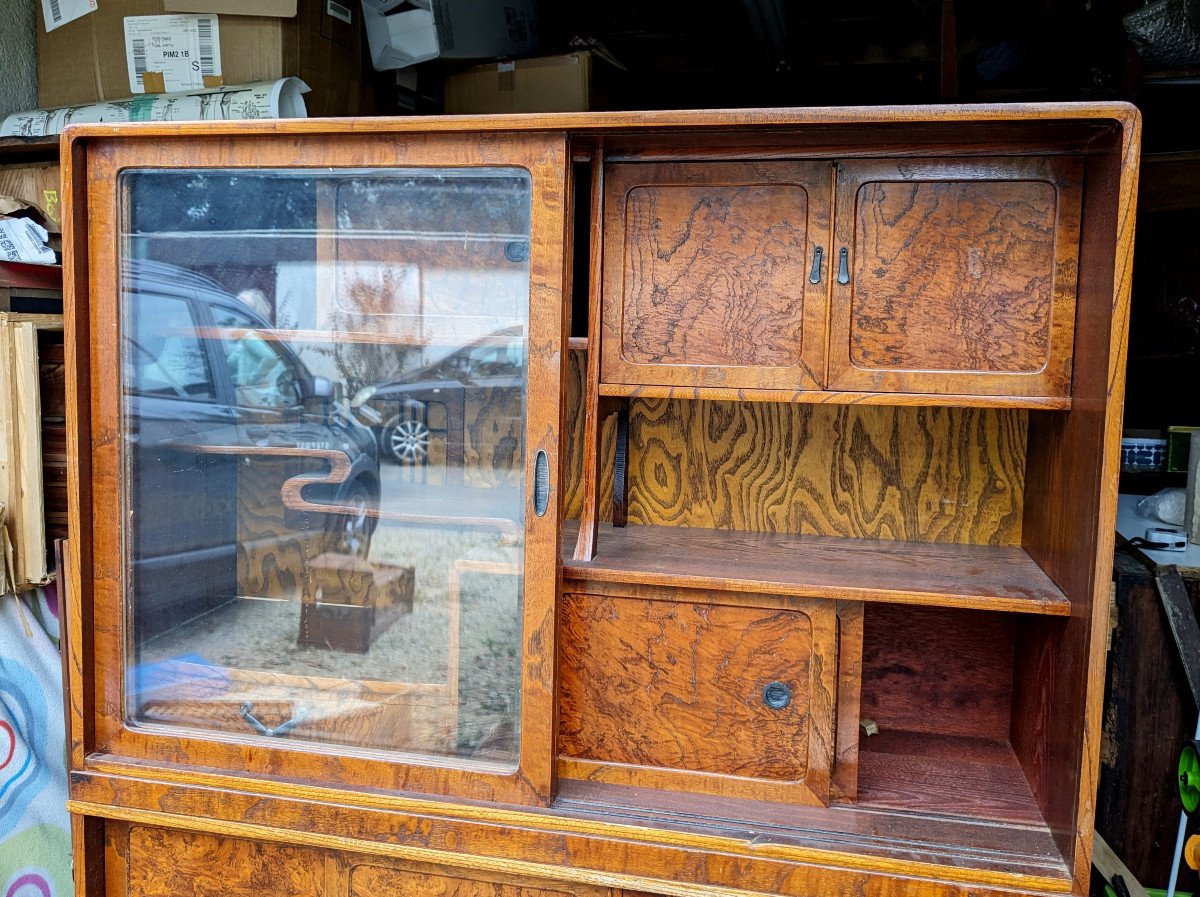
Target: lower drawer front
732,700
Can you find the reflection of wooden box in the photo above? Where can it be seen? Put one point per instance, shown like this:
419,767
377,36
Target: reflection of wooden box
348,601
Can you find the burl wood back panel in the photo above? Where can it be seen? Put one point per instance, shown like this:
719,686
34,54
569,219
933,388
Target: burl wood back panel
706,273
962,276
919,474
690,678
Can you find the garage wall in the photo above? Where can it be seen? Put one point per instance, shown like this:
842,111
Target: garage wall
18,56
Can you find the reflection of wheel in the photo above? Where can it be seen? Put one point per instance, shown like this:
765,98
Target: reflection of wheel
407,441
350,533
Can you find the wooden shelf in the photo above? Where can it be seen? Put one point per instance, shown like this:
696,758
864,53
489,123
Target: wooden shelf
832,397
983,577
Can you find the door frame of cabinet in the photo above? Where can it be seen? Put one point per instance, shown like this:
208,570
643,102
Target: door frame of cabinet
1053,378
99,484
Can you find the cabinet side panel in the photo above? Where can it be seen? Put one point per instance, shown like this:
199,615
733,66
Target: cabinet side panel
1073,467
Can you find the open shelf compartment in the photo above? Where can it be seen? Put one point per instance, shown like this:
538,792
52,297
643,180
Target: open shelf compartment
986,577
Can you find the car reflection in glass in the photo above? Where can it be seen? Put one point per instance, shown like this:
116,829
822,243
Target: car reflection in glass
431,402
220,413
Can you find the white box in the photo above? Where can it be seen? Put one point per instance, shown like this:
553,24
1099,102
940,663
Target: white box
404,32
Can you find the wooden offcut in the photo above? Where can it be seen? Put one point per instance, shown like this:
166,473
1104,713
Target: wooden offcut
21,493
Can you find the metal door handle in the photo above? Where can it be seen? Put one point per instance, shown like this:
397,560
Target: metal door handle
815,275
844,265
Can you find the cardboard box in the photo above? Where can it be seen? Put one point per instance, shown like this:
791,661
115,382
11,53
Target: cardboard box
576,82
281,9
404,32
84,61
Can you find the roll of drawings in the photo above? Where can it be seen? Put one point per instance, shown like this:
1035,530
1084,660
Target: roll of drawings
265,99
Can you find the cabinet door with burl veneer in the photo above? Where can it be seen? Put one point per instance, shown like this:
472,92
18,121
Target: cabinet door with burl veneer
716,274
731,699
955,277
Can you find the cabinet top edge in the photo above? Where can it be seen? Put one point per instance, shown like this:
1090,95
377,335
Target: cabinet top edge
597,123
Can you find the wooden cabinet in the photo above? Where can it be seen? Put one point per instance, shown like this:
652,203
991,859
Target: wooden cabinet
781,570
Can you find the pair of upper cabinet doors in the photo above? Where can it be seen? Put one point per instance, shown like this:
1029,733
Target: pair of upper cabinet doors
919,276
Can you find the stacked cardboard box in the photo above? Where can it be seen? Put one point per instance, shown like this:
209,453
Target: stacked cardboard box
576,82
318,41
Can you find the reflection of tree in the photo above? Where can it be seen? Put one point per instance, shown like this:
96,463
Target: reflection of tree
360,364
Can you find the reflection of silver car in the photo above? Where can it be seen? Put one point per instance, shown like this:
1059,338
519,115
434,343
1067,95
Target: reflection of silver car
408,408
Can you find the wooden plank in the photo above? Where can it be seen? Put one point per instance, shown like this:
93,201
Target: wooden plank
986,577
39,321
1109,865
21,457
917,772
1182,620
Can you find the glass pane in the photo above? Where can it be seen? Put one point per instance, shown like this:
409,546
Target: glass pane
324,419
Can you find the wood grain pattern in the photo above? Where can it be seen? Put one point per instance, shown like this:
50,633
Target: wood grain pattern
164,863
938,475
372,881
582,406
917,474
963,576
1074,460
843,784
938,672
577,450
698,696
965,776
962,276
610,835
706,274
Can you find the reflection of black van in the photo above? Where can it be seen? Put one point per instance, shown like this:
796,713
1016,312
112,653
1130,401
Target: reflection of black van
207,383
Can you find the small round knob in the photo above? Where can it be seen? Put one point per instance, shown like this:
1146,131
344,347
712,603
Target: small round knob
776,695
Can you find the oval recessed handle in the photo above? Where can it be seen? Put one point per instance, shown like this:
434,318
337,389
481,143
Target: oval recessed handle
815,275
776,695
844,265
541,483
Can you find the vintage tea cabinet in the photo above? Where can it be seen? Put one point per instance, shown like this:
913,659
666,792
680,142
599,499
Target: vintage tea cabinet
541,504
